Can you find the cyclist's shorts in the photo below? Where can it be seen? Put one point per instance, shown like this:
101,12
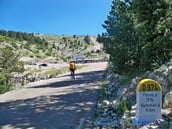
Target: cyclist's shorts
72,70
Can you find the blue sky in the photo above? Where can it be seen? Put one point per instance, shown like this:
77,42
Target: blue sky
68,17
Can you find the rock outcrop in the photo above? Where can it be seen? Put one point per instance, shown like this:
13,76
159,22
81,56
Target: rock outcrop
168,100
108,115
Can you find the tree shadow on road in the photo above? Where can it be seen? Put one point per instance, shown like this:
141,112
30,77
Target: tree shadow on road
62,111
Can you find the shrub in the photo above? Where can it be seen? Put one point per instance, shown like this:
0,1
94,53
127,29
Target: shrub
123,107
129,122
9,63
4,88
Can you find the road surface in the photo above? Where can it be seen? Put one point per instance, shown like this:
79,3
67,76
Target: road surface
58,103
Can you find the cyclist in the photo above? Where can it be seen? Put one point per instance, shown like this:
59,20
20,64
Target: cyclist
72,68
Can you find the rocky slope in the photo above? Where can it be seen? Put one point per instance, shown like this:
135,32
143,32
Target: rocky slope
51,48
71,46
118,102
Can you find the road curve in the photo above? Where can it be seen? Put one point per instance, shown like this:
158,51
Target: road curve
58,103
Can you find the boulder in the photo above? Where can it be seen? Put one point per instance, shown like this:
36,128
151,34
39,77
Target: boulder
106,103
168,100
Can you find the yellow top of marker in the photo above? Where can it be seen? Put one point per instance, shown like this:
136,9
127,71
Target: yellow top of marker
148,85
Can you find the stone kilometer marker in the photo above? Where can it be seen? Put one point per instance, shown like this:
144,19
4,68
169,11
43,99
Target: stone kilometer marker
149,102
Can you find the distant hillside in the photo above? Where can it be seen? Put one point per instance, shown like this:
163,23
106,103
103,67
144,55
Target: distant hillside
52,48
76,45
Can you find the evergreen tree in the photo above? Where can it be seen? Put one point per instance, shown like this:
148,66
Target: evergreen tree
120,41
87,39
152,20
138,34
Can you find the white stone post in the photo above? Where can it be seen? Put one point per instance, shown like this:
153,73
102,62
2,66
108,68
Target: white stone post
149,102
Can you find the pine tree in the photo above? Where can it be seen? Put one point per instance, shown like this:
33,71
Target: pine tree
138,34
152,20
120,40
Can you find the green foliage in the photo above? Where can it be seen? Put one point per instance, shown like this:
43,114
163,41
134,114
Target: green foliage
170,78
120,39
9,63
128,76
3,78
20,36
54,72
103,92
40,56
129,122
48,52
154,23
26,62
2,38
14,45
26,46
63,58
87,39
123,107
138,34
4,88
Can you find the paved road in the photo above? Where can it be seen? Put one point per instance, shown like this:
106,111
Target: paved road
59,103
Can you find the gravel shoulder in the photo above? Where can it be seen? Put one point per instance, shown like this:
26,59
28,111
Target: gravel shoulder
58,103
